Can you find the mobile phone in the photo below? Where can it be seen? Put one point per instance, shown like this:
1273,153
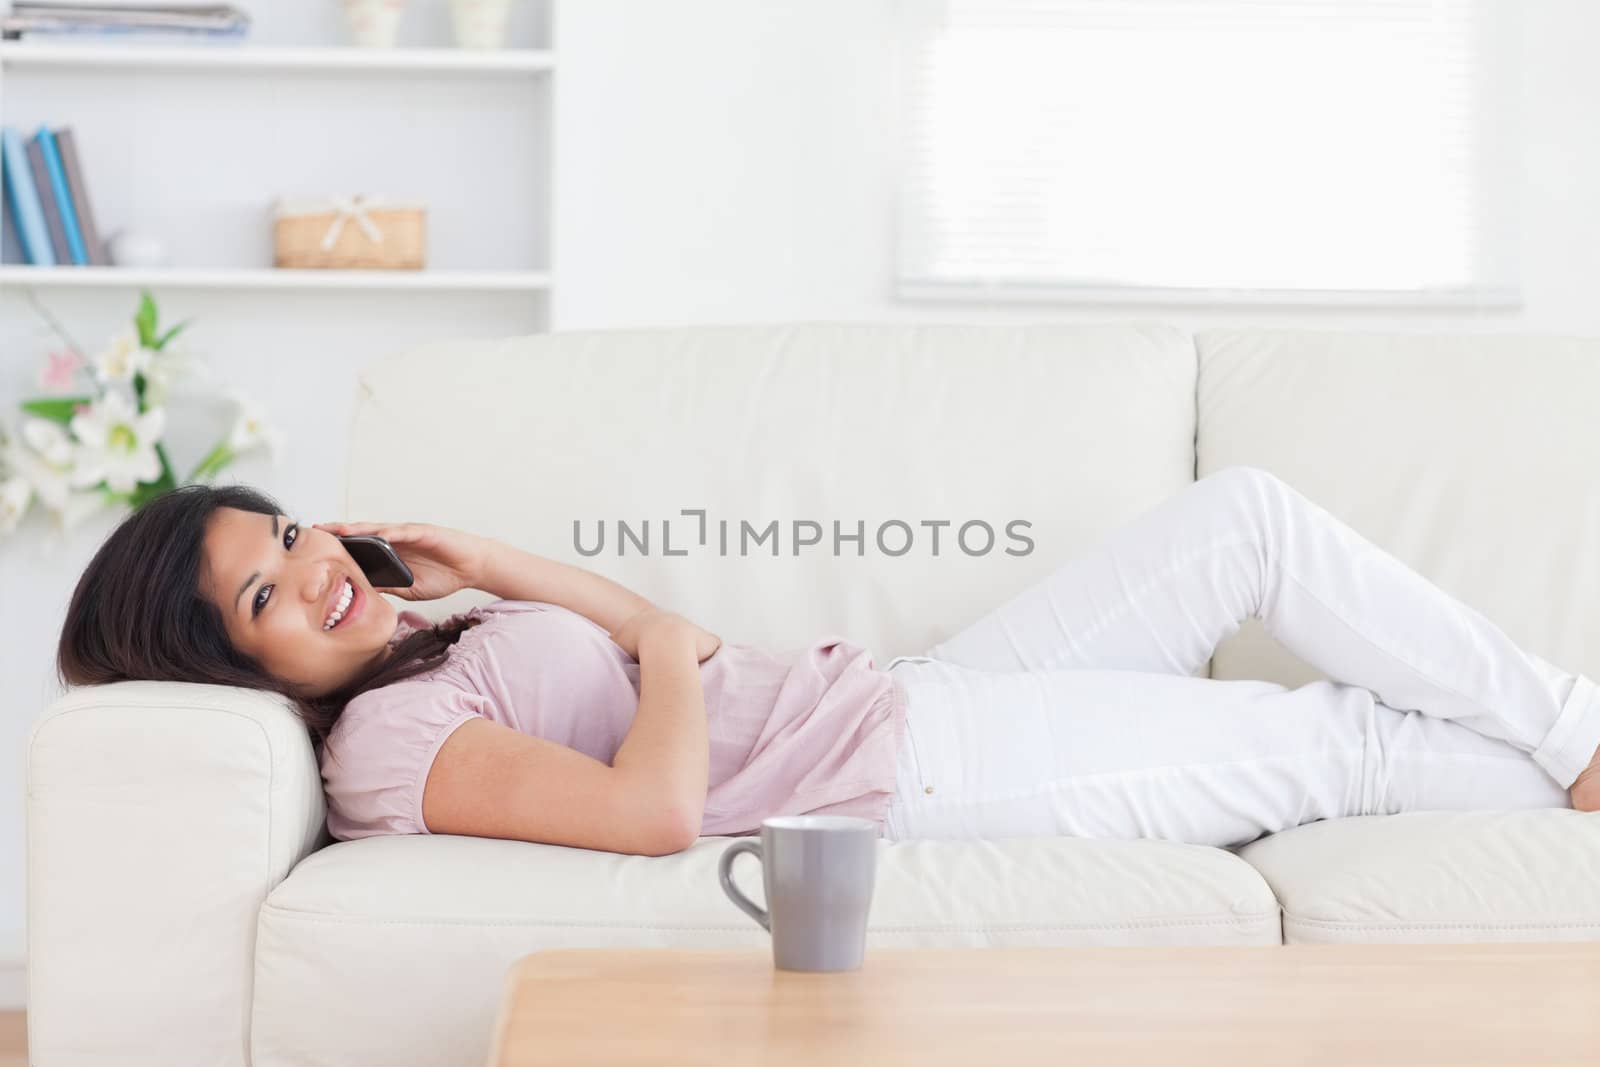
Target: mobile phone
378,560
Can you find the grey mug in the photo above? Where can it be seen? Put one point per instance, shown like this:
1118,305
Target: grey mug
818,872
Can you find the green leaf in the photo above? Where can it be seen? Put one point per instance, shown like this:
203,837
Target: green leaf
170,334
219,457
167,475
56,409
147,491
145,320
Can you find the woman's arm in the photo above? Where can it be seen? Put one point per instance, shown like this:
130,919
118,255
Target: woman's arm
667,751
512,574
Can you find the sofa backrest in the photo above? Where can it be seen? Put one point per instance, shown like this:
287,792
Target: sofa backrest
1473,458
1070,429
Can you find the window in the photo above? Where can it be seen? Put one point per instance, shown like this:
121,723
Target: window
1334,150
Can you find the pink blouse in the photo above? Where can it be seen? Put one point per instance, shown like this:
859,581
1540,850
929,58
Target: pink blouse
816,731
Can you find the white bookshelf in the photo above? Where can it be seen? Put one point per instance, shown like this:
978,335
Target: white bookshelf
277,278
245,58
466,130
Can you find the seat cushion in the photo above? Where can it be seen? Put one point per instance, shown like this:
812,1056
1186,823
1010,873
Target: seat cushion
1437,876
394,949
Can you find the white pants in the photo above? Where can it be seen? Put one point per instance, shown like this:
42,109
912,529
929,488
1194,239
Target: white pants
1073,709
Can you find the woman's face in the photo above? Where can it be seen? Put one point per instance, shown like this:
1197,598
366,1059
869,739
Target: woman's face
277,584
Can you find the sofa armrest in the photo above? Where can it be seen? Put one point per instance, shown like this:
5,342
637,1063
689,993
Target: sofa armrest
159,817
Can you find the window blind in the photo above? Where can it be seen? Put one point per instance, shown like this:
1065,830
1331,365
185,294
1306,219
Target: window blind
1250,146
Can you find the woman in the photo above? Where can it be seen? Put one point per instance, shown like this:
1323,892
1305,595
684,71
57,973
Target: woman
574,712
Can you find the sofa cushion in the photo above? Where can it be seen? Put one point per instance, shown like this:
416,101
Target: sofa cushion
1437,876
1470,457
394,949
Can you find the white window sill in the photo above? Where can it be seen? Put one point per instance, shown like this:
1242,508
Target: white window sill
1499,299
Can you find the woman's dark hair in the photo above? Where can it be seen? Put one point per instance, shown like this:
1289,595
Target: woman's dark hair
138,612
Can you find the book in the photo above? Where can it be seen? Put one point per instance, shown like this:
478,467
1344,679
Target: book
58,183
24,199
35,18
47,201
133,13
219,15
18,29
68,144
11,245
204,7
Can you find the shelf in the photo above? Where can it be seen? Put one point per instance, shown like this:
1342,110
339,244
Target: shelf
274,278
243,57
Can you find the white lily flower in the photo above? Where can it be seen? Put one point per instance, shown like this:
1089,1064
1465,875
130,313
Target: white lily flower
49,439
166,367
15,493
122,358
250,428
75,508
117,444
41,477
46,463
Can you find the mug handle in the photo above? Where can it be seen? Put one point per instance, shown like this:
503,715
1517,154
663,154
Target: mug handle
725,867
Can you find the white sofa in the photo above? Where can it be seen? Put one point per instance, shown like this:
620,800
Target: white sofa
188,907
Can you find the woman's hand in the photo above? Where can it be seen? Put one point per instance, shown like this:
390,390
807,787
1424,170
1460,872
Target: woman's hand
441,559
628,634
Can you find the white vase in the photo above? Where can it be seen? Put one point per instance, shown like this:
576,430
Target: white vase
130,248
480,23
374,23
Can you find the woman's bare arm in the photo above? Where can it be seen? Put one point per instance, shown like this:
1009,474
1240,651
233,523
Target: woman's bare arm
667,749
512,574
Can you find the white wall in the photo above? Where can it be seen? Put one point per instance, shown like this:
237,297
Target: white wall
721,160
716,161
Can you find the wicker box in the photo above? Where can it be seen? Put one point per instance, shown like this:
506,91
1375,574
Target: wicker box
360,232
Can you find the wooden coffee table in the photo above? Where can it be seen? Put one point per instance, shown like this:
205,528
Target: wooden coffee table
1518,1003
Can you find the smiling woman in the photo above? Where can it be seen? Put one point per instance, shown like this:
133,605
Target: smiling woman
303,610
570,710
215,584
